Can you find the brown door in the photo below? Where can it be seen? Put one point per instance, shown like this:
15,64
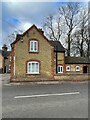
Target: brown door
85,69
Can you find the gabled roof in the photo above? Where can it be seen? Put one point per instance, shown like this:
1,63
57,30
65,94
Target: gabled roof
77,60
5,54
21,35
57,46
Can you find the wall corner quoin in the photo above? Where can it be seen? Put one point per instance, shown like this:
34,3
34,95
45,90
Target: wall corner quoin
12,62
52,61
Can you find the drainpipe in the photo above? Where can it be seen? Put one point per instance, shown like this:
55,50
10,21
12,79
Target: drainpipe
14,65
56,60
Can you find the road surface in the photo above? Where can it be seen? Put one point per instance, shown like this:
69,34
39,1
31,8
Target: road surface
63,100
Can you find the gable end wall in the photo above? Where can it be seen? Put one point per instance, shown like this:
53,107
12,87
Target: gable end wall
22,55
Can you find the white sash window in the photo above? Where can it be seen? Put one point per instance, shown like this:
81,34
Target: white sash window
60,69
33,67
33,46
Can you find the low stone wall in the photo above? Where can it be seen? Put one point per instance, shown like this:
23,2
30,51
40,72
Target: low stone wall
73,77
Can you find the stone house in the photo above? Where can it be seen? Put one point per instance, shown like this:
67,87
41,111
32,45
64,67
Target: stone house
35,58
5,60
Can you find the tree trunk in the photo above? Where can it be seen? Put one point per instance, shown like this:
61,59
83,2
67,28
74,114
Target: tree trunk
68,52
81,50
88,49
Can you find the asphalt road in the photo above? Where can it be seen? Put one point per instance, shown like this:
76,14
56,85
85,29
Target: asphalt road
45,101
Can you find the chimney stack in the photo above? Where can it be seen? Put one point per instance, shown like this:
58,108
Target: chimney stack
4,48
41,30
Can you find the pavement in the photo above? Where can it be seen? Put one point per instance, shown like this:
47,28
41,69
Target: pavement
4,78
63,100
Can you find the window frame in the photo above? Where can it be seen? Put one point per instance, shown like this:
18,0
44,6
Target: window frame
10,59
77,69
33,45
9,67
60,67
34,72
68,66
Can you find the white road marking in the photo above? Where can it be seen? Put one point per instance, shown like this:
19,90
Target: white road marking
46,95
7,84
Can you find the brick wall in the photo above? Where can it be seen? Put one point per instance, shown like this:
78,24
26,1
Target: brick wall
22,55
7,64
1,64
73,68
60,60
72,77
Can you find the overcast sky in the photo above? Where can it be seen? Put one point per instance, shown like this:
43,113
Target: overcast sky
21,15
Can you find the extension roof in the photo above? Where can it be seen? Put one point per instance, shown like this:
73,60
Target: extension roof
57,46
77,60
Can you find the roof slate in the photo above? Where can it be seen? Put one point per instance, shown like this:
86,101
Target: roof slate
77,60
57,46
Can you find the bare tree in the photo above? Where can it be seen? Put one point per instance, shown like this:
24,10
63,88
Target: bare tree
62,24
89,29
80,42
12,37
52,27
69,13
